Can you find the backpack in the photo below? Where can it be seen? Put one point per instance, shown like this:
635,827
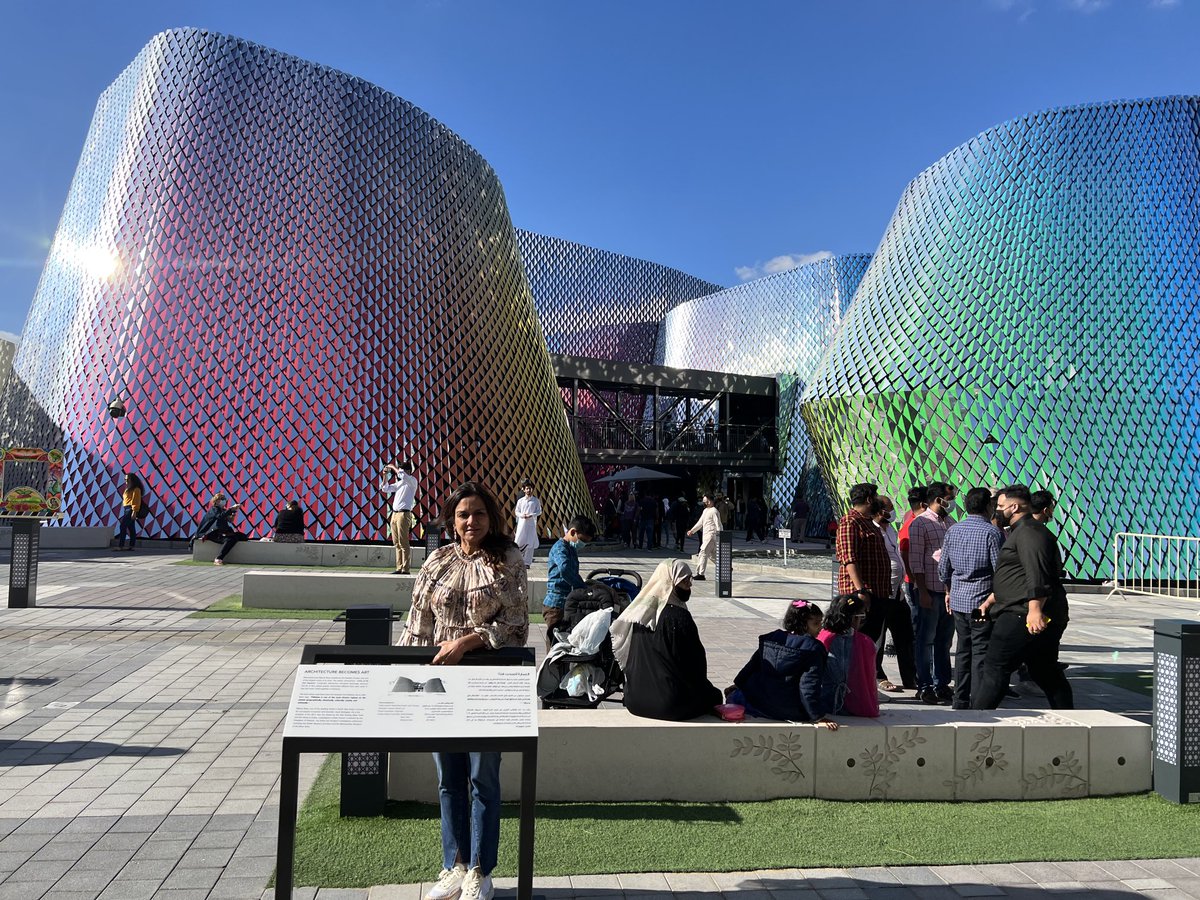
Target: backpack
835,687
143,510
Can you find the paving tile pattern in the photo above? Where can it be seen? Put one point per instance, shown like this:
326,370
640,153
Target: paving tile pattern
139,748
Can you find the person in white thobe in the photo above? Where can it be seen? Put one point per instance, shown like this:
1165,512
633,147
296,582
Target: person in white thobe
527,511
709,525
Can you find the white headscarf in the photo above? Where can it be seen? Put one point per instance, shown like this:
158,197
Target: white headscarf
651,600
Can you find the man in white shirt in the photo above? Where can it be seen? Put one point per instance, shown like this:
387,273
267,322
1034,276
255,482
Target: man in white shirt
709,524
404,496
892,614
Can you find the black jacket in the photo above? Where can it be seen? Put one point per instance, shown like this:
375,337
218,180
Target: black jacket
666,676
289,521
783,678
215,521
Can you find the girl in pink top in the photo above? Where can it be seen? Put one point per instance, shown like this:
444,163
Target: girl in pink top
851,664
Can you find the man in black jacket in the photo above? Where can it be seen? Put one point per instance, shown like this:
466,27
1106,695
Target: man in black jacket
1028,608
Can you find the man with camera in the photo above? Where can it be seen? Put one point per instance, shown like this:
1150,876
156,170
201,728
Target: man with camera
399,482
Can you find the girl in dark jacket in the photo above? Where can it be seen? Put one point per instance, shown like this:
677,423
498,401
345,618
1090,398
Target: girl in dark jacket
784,678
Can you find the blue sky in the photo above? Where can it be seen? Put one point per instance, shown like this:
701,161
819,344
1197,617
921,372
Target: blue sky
726,139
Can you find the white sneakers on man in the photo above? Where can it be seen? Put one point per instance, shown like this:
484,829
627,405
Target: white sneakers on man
477,886
449,884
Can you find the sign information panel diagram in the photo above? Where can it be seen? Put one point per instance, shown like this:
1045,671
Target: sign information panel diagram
413,701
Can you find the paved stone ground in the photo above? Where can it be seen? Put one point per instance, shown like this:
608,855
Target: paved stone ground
139,748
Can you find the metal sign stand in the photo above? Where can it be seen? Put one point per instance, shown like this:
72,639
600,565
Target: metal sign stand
289,782
23,571
785,533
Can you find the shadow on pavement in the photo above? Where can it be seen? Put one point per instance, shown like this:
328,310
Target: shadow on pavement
40,753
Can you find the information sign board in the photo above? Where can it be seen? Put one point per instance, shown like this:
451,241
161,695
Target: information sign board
366,701
785,533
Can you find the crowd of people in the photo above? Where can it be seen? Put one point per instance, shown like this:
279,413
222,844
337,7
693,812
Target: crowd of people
992,581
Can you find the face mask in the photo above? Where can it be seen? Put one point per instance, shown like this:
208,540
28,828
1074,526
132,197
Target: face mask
682,595
948,505
888,518
1003,516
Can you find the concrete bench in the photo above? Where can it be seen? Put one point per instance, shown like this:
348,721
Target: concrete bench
269,553
908,753
65,537
267,589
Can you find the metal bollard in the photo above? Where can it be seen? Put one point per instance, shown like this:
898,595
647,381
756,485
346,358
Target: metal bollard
364,775
1177,709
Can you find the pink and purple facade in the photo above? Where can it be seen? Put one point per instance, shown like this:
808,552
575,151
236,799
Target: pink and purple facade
289,276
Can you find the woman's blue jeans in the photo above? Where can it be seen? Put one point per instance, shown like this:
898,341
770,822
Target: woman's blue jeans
128,527
469,793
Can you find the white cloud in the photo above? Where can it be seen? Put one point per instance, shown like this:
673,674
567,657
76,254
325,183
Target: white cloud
782,263
1022,8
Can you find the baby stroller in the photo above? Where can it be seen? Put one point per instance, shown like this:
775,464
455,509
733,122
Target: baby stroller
580,677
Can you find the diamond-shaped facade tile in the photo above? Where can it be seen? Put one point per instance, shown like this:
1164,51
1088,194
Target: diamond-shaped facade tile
290,276
1032,315
780,325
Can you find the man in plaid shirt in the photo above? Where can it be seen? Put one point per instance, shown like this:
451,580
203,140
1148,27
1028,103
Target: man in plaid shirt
863,563
969,557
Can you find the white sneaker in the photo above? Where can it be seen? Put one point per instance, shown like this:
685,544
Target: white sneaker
477,886
449,884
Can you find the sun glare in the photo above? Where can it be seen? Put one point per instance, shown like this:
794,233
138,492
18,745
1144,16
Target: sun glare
99,262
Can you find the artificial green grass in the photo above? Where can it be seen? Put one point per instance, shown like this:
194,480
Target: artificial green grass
403,846
231,608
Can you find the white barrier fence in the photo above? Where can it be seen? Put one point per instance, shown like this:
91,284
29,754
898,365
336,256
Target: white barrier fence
1156,565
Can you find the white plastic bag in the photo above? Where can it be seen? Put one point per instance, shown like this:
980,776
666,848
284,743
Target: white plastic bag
589,634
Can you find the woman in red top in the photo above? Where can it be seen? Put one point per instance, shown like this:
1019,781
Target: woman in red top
851,665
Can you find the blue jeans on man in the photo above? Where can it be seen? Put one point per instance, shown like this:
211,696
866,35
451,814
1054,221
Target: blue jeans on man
646,534
933,631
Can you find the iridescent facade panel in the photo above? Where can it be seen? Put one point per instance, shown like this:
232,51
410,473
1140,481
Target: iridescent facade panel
1032,315
780,325
600,304
290,276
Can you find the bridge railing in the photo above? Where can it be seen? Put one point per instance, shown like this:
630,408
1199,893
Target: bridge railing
612,433
1156,565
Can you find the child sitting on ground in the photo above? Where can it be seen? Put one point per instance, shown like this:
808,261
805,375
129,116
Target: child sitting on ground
783,679
851,665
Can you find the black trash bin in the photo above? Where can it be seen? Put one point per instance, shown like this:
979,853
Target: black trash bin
1177,709
364,775
435,537
369,624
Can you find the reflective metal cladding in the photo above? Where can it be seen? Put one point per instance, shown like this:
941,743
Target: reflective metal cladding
780,325
289,275
1032,315
601,304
